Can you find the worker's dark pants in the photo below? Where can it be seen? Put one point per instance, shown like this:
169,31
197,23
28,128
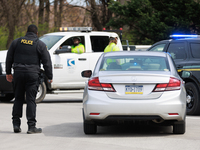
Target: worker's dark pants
25,86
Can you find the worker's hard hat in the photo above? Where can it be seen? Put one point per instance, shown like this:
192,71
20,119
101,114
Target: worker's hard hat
77,38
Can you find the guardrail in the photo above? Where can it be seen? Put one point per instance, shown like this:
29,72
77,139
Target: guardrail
135,47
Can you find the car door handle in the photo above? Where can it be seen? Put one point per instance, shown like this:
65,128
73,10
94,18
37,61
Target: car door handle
82,59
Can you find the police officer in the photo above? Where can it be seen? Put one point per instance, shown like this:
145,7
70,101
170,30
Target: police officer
112,46
77,47
24,56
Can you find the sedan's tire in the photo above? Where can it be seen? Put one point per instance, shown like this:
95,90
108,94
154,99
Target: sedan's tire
7,98
89,128
42,90
179,127
193,101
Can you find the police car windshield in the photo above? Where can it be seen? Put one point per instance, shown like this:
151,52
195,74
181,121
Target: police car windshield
50,40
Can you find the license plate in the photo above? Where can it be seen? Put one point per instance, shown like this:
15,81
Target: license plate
132,89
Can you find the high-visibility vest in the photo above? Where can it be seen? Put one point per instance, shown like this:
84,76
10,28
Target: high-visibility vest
111,48
79,49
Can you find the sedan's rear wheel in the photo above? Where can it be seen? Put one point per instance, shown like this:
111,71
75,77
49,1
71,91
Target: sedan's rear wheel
89,128
193,102
179,127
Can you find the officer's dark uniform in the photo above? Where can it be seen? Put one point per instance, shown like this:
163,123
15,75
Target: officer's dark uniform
25,55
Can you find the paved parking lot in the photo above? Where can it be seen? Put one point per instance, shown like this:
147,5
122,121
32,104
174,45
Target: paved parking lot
60,117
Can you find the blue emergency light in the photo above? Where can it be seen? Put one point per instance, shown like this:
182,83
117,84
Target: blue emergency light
176,36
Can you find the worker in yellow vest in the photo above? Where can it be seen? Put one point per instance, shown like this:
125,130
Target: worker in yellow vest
112,46
77,47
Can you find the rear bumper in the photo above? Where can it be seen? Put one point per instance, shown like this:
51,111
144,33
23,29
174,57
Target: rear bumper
5,86
169,102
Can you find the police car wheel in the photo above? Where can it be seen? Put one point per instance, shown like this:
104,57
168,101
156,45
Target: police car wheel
42,89
7,98
193,102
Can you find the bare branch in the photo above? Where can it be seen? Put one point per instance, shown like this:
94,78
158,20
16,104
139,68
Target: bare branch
73,6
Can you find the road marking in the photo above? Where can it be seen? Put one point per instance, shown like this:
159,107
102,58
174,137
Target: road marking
67,91
67,96
197,118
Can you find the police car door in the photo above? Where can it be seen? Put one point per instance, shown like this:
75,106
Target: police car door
68,66
179,53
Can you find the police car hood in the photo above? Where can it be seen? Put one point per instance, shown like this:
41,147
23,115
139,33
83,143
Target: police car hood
3,55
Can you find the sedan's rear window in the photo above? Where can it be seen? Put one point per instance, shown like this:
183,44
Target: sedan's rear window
134,63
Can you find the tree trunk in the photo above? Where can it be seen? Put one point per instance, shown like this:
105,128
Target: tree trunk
109,15
95,19
12,14
47,12
55,13
34,12
41,12
104,13
11,28
60,13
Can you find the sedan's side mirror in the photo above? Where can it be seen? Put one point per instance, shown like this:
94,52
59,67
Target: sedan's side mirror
86,73
64,49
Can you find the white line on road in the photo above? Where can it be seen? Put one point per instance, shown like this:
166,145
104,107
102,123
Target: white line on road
193,117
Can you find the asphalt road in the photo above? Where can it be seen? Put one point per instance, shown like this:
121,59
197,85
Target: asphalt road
60,117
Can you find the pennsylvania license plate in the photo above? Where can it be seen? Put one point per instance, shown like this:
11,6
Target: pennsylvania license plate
133,89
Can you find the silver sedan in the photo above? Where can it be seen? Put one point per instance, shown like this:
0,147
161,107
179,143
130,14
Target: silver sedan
134,86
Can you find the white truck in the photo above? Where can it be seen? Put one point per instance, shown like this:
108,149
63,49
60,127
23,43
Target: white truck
67,66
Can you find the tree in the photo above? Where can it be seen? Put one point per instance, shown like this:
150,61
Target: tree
58,13
47,12
11,10
41,12
99,12
55,13
150,21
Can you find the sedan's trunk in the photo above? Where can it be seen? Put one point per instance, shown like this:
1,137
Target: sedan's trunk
134,85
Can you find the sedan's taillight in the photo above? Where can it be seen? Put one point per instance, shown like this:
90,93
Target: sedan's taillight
174,84
94,84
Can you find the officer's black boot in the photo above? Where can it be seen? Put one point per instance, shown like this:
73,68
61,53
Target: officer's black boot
34,130
16,129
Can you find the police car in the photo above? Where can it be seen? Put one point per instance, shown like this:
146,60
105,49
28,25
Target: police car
67,66
185,51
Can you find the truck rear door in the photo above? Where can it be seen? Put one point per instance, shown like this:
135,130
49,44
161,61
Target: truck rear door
98,44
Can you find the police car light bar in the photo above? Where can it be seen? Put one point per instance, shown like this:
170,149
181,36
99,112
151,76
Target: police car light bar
184,36
75,28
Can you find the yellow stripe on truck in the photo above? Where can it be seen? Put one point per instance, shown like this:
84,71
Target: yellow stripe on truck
179,70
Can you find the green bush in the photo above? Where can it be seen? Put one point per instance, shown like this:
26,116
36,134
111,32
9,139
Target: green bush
3,37
19,32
